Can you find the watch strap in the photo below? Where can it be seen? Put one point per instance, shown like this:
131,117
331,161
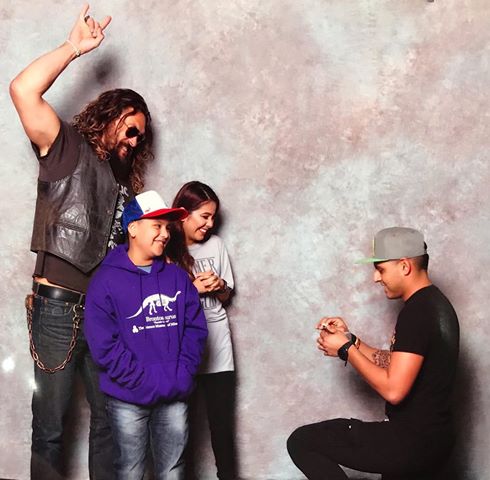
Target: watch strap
343,351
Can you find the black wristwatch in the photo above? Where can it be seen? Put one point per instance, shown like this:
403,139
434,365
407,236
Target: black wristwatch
343,351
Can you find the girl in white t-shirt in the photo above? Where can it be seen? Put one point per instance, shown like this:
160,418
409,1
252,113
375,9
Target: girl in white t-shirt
204,256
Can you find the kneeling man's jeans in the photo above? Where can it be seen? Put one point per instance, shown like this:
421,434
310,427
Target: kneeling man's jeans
164,425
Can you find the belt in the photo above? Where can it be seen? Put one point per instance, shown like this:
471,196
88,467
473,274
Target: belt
57,293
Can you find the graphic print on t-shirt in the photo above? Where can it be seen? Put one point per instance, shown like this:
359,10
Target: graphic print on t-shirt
153,303
205,265
117,235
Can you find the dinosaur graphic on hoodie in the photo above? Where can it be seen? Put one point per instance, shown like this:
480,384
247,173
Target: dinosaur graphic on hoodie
160,362
156,300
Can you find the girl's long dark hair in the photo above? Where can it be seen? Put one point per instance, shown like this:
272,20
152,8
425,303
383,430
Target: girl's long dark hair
191,196
97,115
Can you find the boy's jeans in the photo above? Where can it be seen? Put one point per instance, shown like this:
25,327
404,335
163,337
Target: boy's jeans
52,332
164,425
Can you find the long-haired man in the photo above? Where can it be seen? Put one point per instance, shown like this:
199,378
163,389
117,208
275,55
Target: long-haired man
88,171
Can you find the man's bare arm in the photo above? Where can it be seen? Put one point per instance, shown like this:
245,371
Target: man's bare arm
381,358
393,381
40,121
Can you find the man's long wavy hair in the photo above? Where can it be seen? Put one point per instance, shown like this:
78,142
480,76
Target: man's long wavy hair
109,106
191,196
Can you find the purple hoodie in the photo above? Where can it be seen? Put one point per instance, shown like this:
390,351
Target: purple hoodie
146,331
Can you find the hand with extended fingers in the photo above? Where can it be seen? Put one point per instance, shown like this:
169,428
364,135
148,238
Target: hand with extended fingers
87,33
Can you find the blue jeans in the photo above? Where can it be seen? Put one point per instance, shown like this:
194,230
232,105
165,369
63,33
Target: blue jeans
52,332
163,425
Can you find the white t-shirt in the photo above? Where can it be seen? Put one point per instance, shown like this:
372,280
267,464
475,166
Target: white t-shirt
212,255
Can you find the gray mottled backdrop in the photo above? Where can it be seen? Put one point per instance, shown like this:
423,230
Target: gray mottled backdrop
317,122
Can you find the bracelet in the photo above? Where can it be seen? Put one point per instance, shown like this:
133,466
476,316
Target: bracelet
77,50
355,340
343,351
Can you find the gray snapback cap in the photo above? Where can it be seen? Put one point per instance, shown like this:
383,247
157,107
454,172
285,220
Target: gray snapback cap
395,243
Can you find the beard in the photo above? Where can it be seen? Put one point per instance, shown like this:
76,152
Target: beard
123,151
121,165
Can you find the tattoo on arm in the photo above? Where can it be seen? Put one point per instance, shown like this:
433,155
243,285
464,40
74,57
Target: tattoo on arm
382,358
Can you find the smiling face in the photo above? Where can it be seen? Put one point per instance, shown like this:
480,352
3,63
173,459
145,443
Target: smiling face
115,138
199,222
147,239
391,276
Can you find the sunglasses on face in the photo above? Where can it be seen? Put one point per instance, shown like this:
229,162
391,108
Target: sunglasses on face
132,132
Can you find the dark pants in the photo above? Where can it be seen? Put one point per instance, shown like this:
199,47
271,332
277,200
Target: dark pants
52,332
376,447
219,392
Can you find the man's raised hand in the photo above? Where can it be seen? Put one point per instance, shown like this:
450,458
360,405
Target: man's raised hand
87,34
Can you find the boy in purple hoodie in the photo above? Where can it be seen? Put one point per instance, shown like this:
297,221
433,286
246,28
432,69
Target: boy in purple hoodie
146,331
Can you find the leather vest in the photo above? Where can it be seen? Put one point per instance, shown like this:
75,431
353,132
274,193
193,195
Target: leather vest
73,217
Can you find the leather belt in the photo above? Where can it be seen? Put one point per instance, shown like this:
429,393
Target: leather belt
57,293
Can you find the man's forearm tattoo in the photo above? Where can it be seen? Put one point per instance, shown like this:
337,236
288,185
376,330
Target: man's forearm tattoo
382,358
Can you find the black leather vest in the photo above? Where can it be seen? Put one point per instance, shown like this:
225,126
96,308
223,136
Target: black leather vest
74,215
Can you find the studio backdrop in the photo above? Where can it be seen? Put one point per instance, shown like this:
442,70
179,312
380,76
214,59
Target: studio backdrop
317,122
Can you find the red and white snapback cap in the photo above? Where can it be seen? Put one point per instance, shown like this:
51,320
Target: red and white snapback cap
150,205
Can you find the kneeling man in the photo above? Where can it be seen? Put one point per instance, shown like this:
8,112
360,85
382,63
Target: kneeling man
415,377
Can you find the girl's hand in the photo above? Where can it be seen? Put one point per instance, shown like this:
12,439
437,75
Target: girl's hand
87,33
208,282
198,283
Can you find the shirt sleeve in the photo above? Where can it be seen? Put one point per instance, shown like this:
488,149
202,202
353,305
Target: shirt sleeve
412,332
62,157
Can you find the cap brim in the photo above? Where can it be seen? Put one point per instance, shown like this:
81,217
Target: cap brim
372,260
170,213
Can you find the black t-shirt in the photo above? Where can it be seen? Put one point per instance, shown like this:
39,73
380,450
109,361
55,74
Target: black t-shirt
59,162
427,326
